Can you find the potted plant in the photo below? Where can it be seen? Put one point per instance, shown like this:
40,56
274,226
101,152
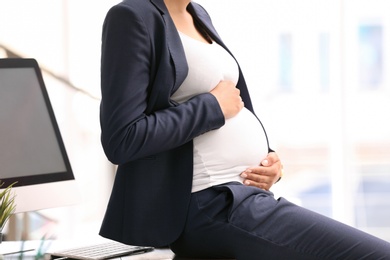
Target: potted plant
7,205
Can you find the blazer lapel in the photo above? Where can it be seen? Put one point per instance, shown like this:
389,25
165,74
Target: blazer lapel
201,15
174,45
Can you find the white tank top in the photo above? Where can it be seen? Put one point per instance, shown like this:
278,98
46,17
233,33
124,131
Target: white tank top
219,155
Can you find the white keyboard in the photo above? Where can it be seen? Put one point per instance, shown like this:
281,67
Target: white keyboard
101,251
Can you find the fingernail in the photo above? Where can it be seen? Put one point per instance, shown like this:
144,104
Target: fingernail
243,175
265,162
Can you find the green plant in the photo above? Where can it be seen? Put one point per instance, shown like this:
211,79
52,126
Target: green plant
7,204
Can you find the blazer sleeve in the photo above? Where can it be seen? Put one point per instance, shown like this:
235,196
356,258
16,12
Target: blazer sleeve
128,56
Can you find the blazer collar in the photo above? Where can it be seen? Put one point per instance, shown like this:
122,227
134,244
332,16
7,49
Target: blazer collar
174,42
196,11
174,45
160,6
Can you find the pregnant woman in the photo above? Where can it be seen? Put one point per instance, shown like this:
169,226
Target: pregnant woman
194,163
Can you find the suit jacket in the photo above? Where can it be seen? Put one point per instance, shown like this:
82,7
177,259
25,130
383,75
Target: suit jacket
143,131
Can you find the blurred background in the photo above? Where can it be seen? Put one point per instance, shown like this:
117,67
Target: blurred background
318,72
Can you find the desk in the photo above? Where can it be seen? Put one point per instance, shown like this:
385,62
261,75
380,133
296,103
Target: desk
32,249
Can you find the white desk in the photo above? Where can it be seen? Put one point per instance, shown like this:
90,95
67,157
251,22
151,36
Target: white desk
32,249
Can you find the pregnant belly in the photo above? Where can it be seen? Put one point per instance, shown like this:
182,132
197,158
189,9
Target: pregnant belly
229,150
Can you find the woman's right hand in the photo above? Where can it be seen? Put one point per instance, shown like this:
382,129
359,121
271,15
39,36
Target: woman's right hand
228,97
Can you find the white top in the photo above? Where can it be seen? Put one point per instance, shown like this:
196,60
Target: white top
220,155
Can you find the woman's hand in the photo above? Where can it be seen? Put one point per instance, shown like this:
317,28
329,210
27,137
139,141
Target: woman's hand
228,97
264,175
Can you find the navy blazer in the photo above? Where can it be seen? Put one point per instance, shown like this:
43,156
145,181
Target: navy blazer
144,132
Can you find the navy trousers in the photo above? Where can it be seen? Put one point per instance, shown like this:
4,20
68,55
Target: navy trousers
247,223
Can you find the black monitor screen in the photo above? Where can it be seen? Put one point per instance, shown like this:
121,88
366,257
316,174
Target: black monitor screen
31,147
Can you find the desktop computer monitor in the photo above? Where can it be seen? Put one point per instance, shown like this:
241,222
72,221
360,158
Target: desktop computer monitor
32,152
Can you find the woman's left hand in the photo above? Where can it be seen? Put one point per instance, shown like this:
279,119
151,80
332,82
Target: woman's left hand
266,174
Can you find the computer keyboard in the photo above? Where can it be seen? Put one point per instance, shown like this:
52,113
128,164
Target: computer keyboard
102,251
